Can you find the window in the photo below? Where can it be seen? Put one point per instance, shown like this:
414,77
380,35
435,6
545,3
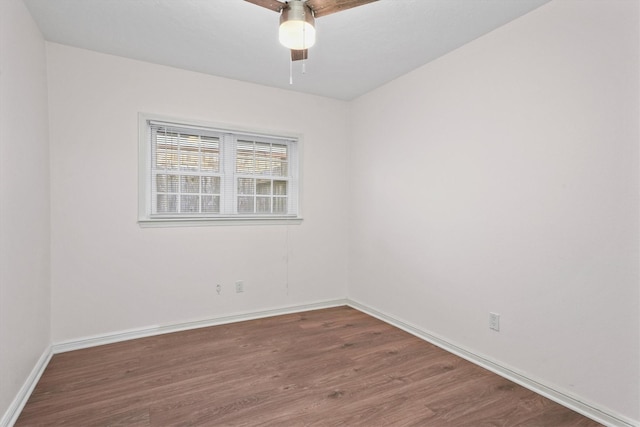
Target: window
193,173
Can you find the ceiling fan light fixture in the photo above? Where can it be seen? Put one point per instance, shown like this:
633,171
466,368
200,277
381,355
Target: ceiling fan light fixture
297,30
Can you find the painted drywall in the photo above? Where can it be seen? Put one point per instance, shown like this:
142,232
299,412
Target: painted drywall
503,178
24,200
108,273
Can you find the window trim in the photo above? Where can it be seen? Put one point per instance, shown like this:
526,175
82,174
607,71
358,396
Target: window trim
145,219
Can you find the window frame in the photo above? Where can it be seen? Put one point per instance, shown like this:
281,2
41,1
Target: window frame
231,134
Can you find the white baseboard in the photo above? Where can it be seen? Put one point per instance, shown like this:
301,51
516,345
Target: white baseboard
13,412
203,323
601,415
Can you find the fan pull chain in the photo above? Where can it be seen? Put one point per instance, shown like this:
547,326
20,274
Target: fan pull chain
290,71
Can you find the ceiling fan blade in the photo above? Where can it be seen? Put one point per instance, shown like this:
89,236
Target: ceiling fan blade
327,7
274,5
297,55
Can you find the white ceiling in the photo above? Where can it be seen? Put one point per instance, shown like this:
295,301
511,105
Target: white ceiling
357,50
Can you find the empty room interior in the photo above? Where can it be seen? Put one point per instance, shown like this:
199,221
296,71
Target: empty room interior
463,173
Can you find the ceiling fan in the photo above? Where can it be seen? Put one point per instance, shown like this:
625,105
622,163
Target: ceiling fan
297,18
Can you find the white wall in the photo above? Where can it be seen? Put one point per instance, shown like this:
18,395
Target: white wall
504,177
110,275
24,200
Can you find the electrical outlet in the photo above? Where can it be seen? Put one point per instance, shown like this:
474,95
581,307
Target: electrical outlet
494,321
239,286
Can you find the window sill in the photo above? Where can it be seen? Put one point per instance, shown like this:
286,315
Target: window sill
207,222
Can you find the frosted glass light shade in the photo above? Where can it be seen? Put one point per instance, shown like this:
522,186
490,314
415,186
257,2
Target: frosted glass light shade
296,26
297,35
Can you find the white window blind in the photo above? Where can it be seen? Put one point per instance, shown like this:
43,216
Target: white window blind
195,172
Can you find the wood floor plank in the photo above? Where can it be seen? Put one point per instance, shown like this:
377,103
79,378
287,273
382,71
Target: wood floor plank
319,368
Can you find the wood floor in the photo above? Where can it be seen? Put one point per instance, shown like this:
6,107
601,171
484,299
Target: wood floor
332,367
